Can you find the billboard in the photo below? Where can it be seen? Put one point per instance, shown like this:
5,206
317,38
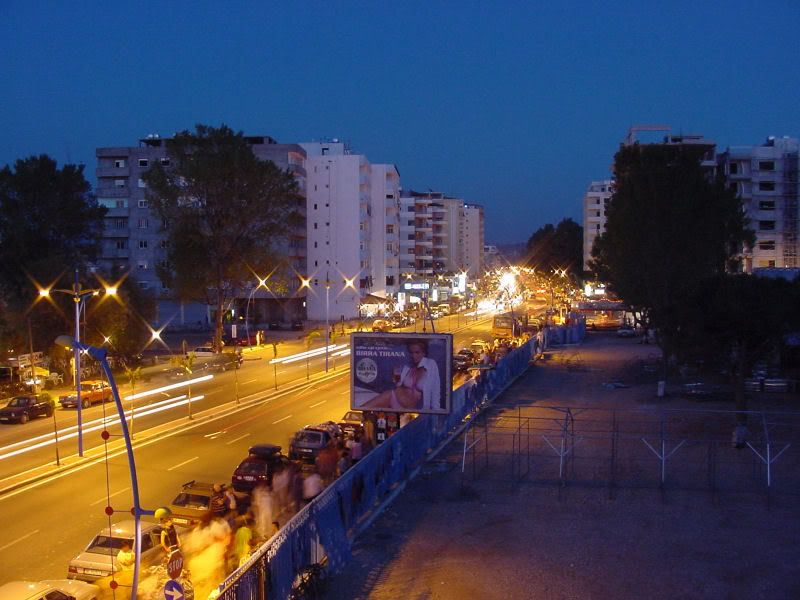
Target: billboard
401,372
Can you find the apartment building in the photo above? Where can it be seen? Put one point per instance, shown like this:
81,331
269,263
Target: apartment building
473,240
352,230
766,178
133,239
595,203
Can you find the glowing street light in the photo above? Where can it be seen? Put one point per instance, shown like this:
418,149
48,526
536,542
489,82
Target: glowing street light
261,283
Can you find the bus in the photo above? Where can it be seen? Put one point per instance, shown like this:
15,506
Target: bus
508,325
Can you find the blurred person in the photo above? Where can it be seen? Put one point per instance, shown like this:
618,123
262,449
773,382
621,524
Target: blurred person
280,487
355,448
326,463
276,527
263,508
216,502
312,486
242,539
343,463
126,557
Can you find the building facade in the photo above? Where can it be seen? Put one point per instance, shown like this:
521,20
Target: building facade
134,240
595,203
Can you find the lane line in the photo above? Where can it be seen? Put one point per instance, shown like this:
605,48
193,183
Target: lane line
248,381
283,419
212,435
241,437
186,462
19,539
317,404
344,392
109,496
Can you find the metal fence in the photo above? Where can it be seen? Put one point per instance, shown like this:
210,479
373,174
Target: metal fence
636,448
325,528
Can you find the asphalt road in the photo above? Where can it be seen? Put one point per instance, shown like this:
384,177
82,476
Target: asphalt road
47,522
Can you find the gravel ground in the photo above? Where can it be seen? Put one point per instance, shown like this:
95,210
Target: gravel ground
500,539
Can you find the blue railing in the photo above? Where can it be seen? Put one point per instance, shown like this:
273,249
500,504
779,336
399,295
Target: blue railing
326,527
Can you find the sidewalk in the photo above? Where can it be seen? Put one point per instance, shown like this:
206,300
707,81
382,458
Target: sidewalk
523,540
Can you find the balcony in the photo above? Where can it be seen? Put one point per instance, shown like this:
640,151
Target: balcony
118,212
117,172
109,232
113,253
112,192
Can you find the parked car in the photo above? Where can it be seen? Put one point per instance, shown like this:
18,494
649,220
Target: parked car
307,442
52,589
204,352
99,558
381,325
192,504
297,325
261,464
352,423
23,408
92,392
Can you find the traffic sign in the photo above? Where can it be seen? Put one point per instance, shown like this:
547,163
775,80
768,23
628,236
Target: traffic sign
173,590
175,564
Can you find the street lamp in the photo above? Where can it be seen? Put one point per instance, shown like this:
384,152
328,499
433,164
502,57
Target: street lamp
100,354
261,283
327,316
79,295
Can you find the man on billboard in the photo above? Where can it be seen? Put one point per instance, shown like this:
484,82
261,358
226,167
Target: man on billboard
414,362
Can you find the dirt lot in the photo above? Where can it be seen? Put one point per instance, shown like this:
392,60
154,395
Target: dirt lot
497,536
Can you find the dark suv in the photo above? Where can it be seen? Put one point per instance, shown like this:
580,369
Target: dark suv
307,442
261,464
24,408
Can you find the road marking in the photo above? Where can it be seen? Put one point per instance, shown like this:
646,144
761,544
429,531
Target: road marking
212,435
107,498
19,539
317,404
241,437
344,392
283,419
186,462
249,381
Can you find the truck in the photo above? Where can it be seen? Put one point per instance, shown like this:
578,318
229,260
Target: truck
92,392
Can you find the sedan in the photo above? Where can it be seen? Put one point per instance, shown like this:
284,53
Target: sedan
23,408
53,589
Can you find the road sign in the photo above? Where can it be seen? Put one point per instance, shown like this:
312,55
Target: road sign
175,564
233,330
173,590
24,360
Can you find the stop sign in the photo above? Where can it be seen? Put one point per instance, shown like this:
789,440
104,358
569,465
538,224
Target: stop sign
175,564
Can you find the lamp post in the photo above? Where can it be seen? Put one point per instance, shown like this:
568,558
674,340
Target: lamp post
79,295
99,354
327,317
261,283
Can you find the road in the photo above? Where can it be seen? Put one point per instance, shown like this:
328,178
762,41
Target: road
47,522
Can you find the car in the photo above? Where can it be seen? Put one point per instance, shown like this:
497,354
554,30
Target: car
52,589
98,560
352,423
23,408
261,464
45,379
192,504
479,346
461,362
381,325
204,352
92,392
297,325
307,442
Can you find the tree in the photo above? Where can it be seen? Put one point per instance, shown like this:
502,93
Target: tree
224,209
670,226
49,224
559,247
741,319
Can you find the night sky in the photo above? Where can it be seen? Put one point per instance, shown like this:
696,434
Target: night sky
517,106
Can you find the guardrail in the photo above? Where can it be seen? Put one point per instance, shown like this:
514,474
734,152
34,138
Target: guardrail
325,528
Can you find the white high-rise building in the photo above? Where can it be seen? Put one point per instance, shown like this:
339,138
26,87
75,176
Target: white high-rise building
473,240
595,202
766,178
352,229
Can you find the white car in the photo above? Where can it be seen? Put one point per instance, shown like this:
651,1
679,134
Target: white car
54,589
204,351
100,557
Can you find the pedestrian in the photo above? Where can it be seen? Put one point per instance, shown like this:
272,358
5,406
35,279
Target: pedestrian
263,509
242,539
326,463
312,486
343,464
231,503
125,557
276,527
169,536
355,448
280,487
216,502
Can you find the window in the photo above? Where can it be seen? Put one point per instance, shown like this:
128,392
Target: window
767,245
597,201
315,264
315,207
733,168
165,162
143,284
164,264
119,183
164,244
142,264
143,224
165,224
766,204
143,204
390,196
56,595
766,165
598,213
142,184
390,229
390,247
766,225
327,224
122,244
315,244
119,163
766,186
143,162
120,223
390,280
142,244
315,225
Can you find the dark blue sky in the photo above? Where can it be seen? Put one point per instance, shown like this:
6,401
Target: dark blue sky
513,105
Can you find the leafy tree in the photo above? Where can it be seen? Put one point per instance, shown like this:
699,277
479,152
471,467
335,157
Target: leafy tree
224,208
49,224
670,226
741,319
559,247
